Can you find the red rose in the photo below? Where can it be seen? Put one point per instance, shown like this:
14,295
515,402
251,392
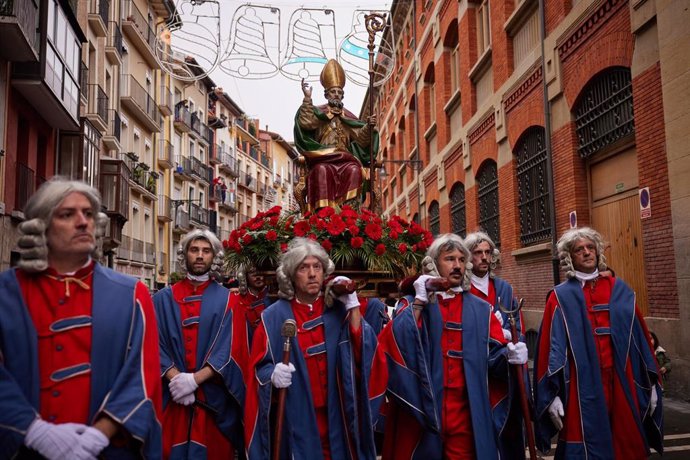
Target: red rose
321,225
274,211
393,235
226,244
301,228
273,221
354,230
314,219
402,248
373,231
336,226
327,245
312,236
283,247
380,249
348,213
356,242
246,239
326,212
271,235
256,224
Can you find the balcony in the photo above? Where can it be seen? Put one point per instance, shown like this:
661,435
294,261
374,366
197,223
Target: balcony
139,31
228,164
111,139
247,181
183,167
214,154
97,107
200,130
261,189
149,253
141,177
199,216
165,154
183,118
84,82
18,24
99,13
137,251
165,99
246,131
139,102
224,198
165,209
181,221
163,263
113,45
201,171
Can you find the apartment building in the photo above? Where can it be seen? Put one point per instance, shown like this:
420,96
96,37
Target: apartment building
284,156
222,113
466,102
253,166
39,80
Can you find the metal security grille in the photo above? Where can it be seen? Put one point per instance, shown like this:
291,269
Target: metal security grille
532,187
434,219
488,200
604,113
457,210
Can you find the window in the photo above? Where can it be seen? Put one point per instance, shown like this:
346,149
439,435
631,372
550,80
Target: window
526,39
455,69
487,191
458,219
483,28
92,139
452,48
434,219
530,153
430,83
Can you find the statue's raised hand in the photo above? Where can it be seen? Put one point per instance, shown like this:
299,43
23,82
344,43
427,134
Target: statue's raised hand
306,88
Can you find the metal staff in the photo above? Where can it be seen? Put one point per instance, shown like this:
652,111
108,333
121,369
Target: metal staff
288,331
521,383
375,22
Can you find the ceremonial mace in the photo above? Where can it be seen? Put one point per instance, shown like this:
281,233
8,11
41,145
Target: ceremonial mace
521,383
288,331
375,22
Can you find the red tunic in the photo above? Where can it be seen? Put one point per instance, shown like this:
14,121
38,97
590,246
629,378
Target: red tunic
627,443
176,417
244,316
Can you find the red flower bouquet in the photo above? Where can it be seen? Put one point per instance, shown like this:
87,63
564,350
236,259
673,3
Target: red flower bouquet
393,245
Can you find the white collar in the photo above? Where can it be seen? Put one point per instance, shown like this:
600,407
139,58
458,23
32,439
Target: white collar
198,278
452,292
584,277
481,283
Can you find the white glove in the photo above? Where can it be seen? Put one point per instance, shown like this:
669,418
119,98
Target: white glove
517,353
420,288
349,300
53,441
282,375
183,384
556,413
653,401
91,442
507,335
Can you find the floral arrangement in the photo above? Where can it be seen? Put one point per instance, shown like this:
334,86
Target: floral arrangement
349,236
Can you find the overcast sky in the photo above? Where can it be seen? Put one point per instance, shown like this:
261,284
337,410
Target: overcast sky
275,100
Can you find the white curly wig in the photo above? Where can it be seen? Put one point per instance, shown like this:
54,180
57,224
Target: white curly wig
475,239
444,243
298,250
216,246
32,244
568,240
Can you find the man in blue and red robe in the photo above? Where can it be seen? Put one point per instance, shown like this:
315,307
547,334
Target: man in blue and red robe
78,342
596,380
339,374
442,350
505,400
204,390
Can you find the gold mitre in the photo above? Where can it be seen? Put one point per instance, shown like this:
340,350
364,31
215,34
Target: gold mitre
332,75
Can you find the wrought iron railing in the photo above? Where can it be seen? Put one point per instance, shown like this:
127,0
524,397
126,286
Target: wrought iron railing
98,102
101,8
115,37
130,13
26,12
132,88
199,214
115,123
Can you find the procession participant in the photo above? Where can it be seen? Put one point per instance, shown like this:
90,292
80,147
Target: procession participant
441,349
78,341
596,380
335,144
203,386
507,413
339,375
247,304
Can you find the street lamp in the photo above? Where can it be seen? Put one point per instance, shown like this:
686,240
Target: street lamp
415,165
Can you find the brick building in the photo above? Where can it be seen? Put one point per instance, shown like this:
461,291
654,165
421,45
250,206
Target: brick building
466,99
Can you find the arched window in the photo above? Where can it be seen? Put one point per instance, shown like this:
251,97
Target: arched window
604,111
415,218
487,190
533,193
430,91
451,46
457,209
434,219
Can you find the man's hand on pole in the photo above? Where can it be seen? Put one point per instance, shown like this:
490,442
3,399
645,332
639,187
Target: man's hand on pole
282,375
517,353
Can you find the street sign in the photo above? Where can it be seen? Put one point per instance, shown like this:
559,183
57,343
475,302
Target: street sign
645,203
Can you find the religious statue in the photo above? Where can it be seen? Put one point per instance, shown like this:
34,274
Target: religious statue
336,146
